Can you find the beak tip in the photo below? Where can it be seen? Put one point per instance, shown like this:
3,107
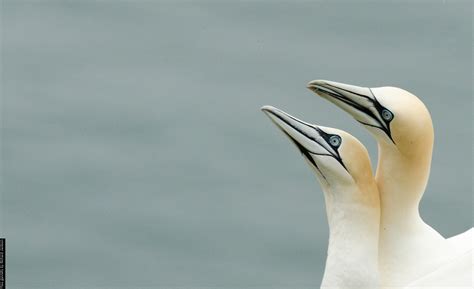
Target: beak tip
317,82
313,84
267,108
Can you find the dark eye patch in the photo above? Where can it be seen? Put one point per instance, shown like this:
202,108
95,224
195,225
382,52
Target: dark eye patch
327,138
333,140
384,112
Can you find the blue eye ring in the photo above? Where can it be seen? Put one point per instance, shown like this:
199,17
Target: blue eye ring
387,115
335,140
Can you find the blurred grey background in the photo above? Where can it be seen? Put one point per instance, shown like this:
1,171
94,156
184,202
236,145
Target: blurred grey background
134,152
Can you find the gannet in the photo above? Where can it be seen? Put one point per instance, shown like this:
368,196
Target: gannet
342,166
409,248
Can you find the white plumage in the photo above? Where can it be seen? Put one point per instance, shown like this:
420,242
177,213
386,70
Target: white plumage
377,237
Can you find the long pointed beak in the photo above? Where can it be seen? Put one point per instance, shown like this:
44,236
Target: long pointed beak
316,85
310,139
359,102
297,130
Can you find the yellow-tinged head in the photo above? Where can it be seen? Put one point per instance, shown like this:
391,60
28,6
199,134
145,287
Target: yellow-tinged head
340,161
397,118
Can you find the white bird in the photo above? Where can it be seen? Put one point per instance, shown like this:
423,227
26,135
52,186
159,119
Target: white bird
409,249
343,169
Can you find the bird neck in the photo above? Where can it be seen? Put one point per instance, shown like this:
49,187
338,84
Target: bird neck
401,181
408,247
352,260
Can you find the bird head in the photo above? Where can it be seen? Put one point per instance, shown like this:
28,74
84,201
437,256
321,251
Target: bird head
339,160
396,118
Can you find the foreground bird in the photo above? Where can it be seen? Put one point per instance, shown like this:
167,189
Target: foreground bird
342,166
409,249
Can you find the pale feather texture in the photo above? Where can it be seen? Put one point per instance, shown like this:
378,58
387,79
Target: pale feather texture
353,216
410,249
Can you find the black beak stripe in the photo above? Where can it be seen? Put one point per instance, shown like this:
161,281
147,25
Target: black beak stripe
384,127
307,153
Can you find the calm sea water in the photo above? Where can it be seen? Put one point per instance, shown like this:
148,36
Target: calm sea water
134,152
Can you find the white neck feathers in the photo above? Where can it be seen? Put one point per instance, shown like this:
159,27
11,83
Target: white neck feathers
352,260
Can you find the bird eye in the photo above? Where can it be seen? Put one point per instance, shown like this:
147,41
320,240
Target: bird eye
387,115
335,140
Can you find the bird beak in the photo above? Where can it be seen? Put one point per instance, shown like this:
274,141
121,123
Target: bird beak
359,102
310,139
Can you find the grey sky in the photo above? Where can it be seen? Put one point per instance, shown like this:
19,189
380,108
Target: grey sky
134,152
